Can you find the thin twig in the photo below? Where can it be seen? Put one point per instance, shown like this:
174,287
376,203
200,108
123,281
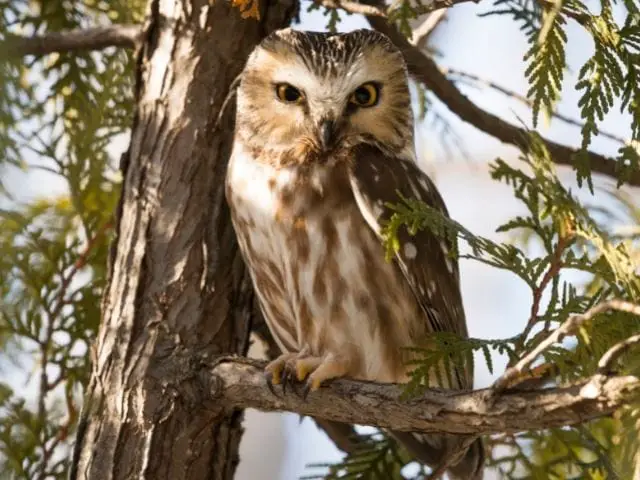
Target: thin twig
233,89
422,32
605,365
523,99
567,328
353,7
379,9
46,386
555,266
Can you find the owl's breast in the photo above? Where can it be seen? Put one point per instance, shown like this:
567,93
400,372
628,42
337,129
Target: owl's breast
319,270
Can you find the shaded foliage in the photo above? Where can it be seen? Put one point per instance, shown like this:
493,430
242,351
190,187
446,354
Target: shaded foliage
58,117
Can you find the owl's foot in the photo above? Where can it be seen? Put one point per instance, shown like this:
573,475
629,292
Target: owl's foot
274,370
318,370
289,369
294,368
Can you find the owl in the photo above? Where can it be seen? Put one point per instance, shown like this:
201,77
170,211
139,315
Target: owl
323,142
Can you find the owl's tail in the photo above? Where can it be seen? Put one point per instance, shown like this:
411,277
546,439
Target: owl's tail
432,449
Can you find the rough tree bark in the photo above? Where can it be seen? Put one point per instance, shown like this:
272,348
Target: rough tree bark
177,285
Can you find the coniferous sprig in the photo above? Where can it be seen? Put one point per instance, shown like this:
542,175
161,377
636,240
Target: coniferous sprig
52,267
547,61
332,14
585,452
528,13
447,352
402,13
415,215
608,76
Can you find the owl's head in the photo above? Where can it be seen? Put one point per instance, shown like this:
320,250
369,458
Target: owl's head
321,92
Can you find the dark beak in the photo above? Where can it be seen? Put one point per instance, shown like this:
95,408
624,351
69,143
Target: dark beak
327,133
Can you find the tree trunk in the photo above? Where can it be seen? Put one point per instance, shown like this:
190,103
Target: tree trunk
177,286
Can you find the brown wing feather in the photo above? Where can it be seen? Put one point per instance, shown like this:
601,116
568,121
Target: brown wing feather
431,273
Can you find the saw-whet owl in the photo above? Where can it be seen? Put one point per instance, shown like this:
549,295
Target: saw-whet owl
323,142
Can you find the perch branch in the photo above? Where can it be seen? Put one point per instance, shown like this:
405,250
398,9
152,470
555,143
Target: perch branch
240,383
344,436
98,38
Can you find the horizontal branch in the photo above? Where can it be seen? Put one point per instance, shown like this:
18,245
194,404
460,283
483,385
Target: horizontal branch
98,38
240,383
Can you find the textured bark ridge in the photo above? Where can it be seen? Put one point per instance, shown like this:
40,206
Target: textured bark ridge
177,283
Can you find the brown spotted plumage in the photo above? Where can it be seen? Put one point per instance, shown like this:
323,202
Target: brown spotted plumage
324,139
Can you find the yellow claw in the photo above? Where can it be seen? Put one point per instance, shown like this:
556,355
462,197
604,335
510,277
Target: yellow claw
315,384
276,376
276,367
305,366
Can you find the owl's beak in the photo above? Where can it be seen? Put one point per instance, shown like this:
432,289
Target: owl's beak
327,133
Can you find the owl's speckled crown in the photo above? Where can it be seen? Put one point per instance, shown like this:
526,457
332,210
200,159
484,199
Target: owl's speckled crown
324,52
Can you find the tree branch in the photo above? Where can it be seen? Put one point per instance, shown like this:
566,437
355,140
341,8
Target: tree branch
240,382
98,38
605,365
425,70
523,99
423,31
379,9
354,7
567,328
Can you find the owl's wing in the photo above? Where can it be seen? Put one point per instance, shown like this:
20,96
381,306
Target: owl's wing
423,258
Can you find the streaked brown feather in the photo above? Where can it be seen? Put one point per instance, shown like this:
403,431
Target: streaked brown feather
424,260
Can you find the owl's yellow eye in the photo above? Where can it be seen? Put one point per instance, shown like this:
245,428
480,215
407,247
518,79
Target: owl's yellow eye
288,93
366,95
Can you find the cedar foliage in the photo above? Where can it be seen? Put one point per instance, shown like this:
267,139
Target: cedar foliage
60,113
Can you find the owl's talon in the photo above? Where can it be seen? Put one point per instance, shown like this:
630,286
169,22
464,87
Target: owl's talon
305,391
328,368
286,379
290,377
275,370
268,376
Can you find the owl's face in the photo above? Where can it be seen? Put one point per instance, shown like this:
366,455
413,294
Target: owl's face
320,92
